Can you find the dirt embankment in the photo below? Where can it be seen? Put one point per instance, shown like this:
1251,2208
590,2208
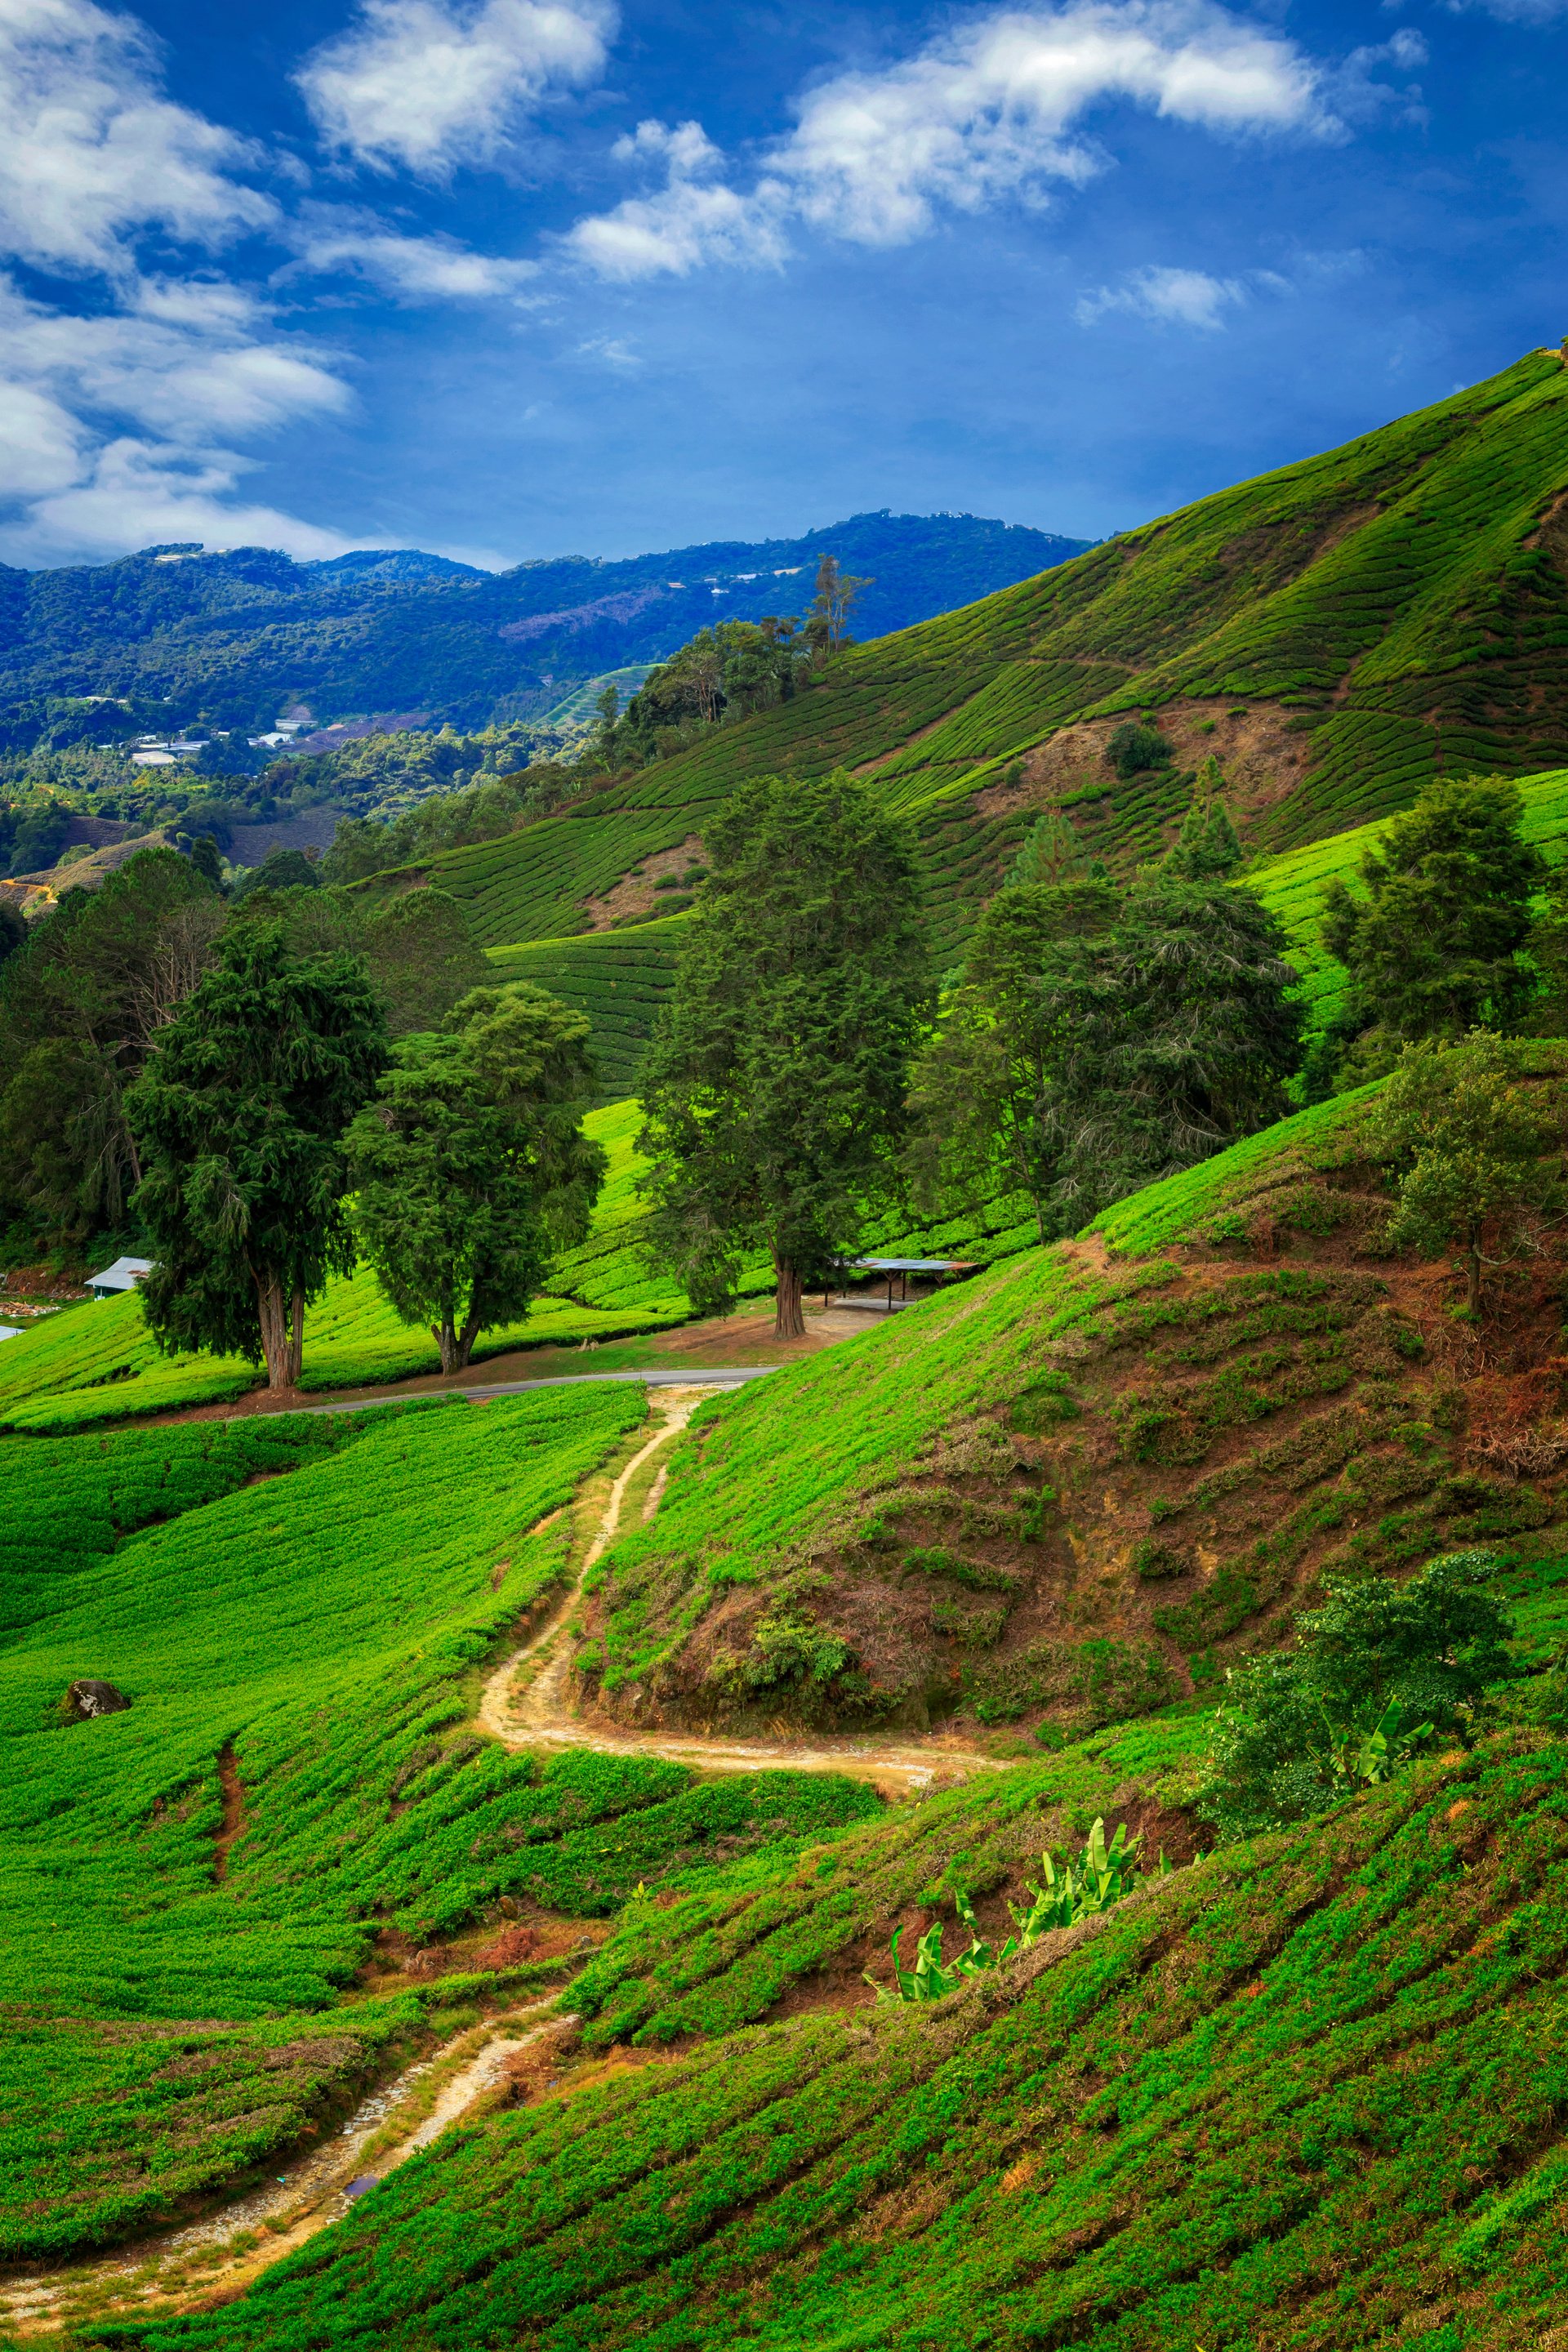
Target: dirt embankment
1261,748
1157,1497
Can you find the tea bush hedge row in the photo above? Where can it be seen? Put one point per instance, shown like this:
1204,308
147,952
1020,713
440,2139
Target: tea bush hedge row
319,1636
1307,2094
1392,594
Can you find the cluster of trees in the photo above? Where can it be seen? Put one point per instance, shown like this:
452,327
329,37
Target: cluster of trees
89,996
285,1136
726,672
802,1076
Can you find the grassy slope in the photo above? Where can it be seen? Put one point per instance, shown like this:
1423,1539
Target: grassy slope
1377,591
1079,1484
320,1632
1307,2095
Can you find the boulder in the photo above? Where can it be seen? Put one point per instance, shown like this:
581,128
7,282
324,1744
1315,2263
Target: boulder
89,1699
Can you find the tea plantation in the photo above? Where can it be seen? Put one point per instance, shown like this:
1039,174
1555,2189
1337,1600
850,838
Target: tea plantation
184,1884
1308,2092
1389,605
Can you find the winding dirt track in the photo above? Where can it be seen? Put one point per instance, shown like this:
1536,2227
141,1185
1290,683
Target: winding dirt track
529,1701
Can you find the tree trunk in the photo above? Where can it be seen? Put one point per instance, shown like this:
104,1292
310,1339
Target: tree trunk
1473,1299
278,1344
456,1346
789,1322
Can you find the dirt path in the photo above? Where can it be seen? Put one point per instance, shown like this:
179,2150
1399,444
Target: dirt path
529,1702
218,2257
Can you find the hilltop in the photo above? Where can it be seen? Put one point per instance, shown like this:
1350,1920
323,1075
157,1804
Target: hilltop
1335,633
228,636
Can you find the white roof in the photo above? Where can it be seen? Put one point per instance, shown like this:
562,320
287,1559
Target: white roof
123,1274
153,759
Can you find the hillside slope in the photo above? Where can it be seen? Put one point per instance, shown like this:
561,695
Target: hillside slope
1076,1486
1335,632
1305,2096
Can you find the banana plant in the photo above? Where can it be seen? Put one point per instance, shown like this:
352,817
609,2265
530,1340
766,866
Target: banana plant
1367,1754
1100,1879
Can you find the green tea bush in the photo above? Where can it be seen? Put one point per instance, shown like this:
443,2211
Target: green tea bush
316,1635
1308,2092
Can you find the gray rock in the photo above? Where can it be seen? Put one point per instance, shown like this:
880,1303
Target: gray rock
89,1699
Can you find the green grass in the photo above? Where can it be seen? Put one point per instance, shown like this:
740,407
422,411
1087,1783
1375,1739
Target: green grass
321,1632
1309,2094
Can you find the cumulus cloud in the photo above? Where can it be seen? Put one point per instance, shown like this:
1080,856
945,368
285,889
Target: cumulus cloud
135,493
90,151
114,417
412,268
426,86
1171,297
693,219
994,111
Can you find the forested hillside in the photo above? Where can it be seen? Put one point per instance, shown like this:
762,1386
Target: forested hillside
228,636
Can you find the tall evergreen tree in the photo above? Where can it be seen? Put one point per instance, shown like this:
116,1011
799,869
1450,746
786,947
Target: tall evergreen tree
240,1116
1173,1036
774,1083
1433,947
981,1089
1050,851
1207,848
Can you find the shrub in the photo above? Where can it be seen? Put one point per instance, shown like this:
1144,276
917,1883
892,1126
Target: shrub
1382,1668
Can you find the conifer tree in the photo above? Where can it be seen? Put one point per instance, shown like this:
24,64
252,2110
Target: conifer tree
1050,851
774,1083
1433,946
1207,848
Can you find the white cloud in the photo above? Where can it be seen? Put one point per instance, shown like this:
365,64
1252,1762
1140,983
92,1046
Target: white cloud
135,494
91,152
415,268
1360,95
693,220
993,112
428,86
1171,297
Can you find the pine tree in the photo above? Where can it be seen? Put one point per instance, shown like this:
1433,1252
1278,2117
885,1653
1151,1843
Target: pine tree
1051,850
1207,849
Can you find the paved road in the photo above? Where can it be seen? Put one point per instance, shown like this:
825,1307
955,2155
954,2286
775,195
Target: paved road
732,1376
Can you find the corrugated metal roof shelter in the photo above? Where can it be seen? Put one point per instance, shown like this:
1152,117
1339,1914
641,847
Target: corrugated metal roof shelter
123,1274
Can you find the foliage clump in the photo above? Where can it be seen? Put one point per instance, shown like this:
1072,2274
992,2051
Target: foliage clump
1096,1883
1381,1667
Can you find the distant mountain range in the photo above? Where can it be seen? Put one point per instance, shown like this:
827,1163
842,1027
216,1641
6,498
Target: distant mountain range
230,638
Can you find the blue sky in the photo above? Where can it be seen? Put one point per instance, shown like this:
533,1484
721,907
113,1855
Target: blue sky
518,278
